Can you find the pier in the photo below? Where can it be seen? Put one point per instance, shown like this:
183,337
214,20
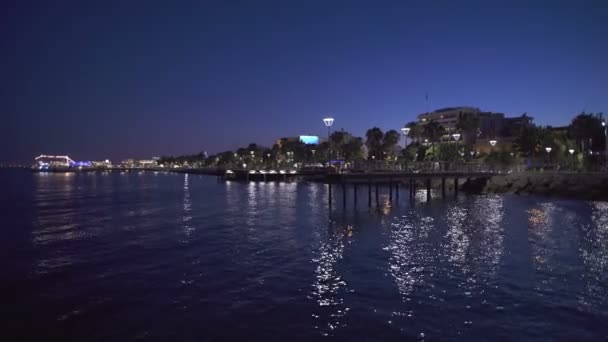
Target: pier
371,181
399,180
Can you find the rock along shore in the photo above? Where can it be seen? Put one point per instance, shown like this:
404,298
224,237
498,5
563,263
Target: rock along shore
586,186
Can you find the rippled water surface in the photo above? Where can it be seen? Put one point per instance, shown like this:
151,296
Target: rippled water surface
155,256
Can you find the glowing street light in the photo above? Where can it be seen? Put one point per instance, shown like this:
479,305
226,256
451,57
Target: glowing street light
328,122
492,144
606,136
571,151
405,131
548,149
456,136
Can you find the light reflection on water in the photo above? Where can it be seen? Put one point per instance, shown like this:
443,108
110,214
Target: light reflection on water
187,217
473,267
409,253
593,250
329,284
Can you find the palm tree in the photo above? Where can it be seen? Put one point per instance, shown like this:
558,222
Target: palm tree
468,125
389,141
529,140
433,131
587,130
373,142
415,130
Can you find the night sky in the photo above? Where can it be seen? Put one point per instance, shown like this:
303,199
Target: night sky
118,79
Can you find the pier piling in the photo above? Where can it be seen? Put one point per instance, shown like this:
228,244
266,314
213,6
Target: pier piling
377,202
343,195
369,192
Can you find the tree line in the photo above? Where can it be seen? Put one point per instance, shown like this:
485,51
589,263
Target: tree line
585,137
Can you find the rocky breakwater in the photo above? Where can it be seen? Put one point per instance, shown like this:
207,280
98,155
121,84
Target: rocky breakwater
588,186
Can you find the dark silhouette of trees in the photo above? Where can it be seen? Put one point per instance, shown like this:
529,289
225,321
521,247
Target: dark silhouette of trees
588,132
468,126
373,142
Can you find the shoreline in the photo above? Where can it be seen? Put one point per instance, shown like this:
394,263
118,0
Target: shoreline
583,186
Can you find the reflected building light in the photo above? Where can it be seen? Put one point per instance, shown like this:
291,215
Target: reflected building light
187,217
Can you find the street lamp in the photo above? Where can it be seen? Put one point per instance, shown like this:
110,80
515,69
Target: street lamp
405,131
606,144
571,151
456,136
328,122
548,149
492,144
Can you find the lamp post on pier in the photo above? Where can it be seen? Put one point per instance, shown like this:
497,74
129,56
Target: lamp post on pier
548,149
329,121
492,144
606,144
405,131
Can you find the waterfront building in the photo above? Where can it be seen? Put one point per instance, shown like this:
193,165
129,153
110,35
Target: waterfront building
492,125
138,163
45,161
305,139
102,164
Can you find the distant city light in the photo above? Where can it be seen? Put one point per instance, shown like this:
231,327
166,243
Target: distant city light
571,151
456,136
493,142
548,149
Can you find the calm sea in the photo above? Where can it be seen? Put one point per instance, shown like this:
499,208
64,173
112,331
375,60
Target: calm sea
158,256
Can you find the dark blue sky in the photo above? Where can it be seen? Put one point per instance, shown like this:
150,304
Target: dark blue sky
142,78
